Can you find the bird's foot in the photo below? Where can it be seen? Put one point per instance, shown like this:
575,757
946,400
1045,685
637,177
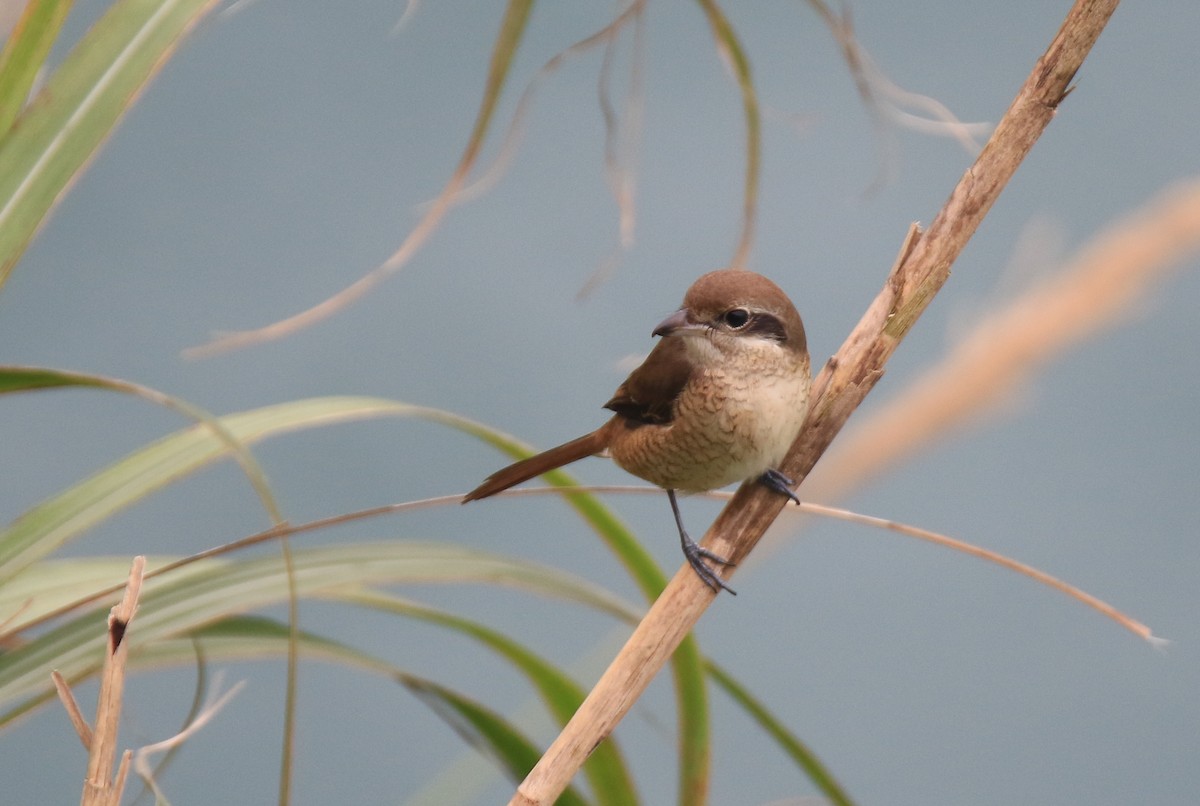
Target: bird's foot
780,483
696,555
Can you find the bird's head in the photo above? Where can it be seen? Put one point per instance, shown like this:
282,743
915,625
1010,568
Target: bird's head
729,312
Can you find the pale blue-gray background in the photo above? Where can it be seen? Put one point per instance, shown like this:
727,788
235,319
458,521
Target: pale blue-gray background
284,151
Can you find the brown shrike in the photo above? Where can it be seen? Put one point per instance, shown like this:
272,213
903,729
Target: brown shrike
719,399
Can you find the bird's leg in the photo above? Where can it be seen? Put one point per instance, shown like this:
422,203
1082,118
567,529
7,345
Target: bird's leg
780,483
696,554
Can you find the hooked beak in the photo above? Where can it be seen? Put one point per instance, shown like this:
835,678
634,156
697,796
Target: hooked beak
674,322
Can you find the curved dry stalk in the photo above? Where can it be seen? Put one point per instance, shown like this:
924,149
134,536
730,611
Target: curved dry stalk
1096,290
730,49
210,708
456,191
1078,594
410,12
621,144
886,101
1105,609
921,270
511,29
807,507
510,144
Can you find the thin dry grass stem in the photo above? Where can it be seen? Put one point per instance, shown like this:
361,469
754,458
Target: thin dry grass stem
621,145
141,763
274,533
236,7
292,678
226,341
808,508
445,500
511,26
1099,605
841,386
887,102
99,787
67,697
12,618
621,141
511,142
455,192
410,12
1097,289
731,52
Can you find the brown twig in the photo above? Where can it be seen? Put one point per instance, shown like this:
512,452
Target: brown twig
1095,290
920,271
74,713
99,787
205,713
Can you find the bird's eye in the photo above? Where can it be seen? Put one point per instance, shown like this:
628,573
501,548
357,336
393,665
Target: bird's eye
736,318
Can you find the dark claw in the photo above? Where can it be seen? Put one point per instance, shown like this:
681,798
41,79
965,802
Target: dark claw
780,483
696,554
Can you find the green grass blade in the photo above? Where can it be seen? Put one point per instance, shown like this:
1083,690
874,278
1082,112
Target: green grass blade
31,378
65,516
508,40
174,604
251,637
78,108
512,28
47,587
486,730
25,52
246,637
791,745
605,769
28,379
25,379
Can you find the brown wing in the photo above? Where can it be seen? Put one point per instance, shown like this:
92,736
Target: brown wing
648,394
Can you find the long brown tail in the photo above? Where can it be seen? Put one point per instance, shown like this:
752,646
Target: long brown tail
544,462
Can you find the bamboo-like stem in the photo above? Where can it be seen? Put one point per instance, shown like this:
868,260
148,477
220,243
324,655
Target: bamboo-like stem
99,788
920,271
1095,290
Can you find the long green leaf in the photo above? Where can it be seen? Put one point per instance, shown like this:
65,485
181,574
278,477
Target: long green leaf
68,514
47,587
172,605
485,729
28,379
243,637
25,52
804,758
605,769
78,108
512,28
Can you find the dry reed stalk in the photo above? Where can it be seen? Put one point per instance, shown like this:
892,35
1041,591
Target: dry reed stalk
920,271
1096,289
99,787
